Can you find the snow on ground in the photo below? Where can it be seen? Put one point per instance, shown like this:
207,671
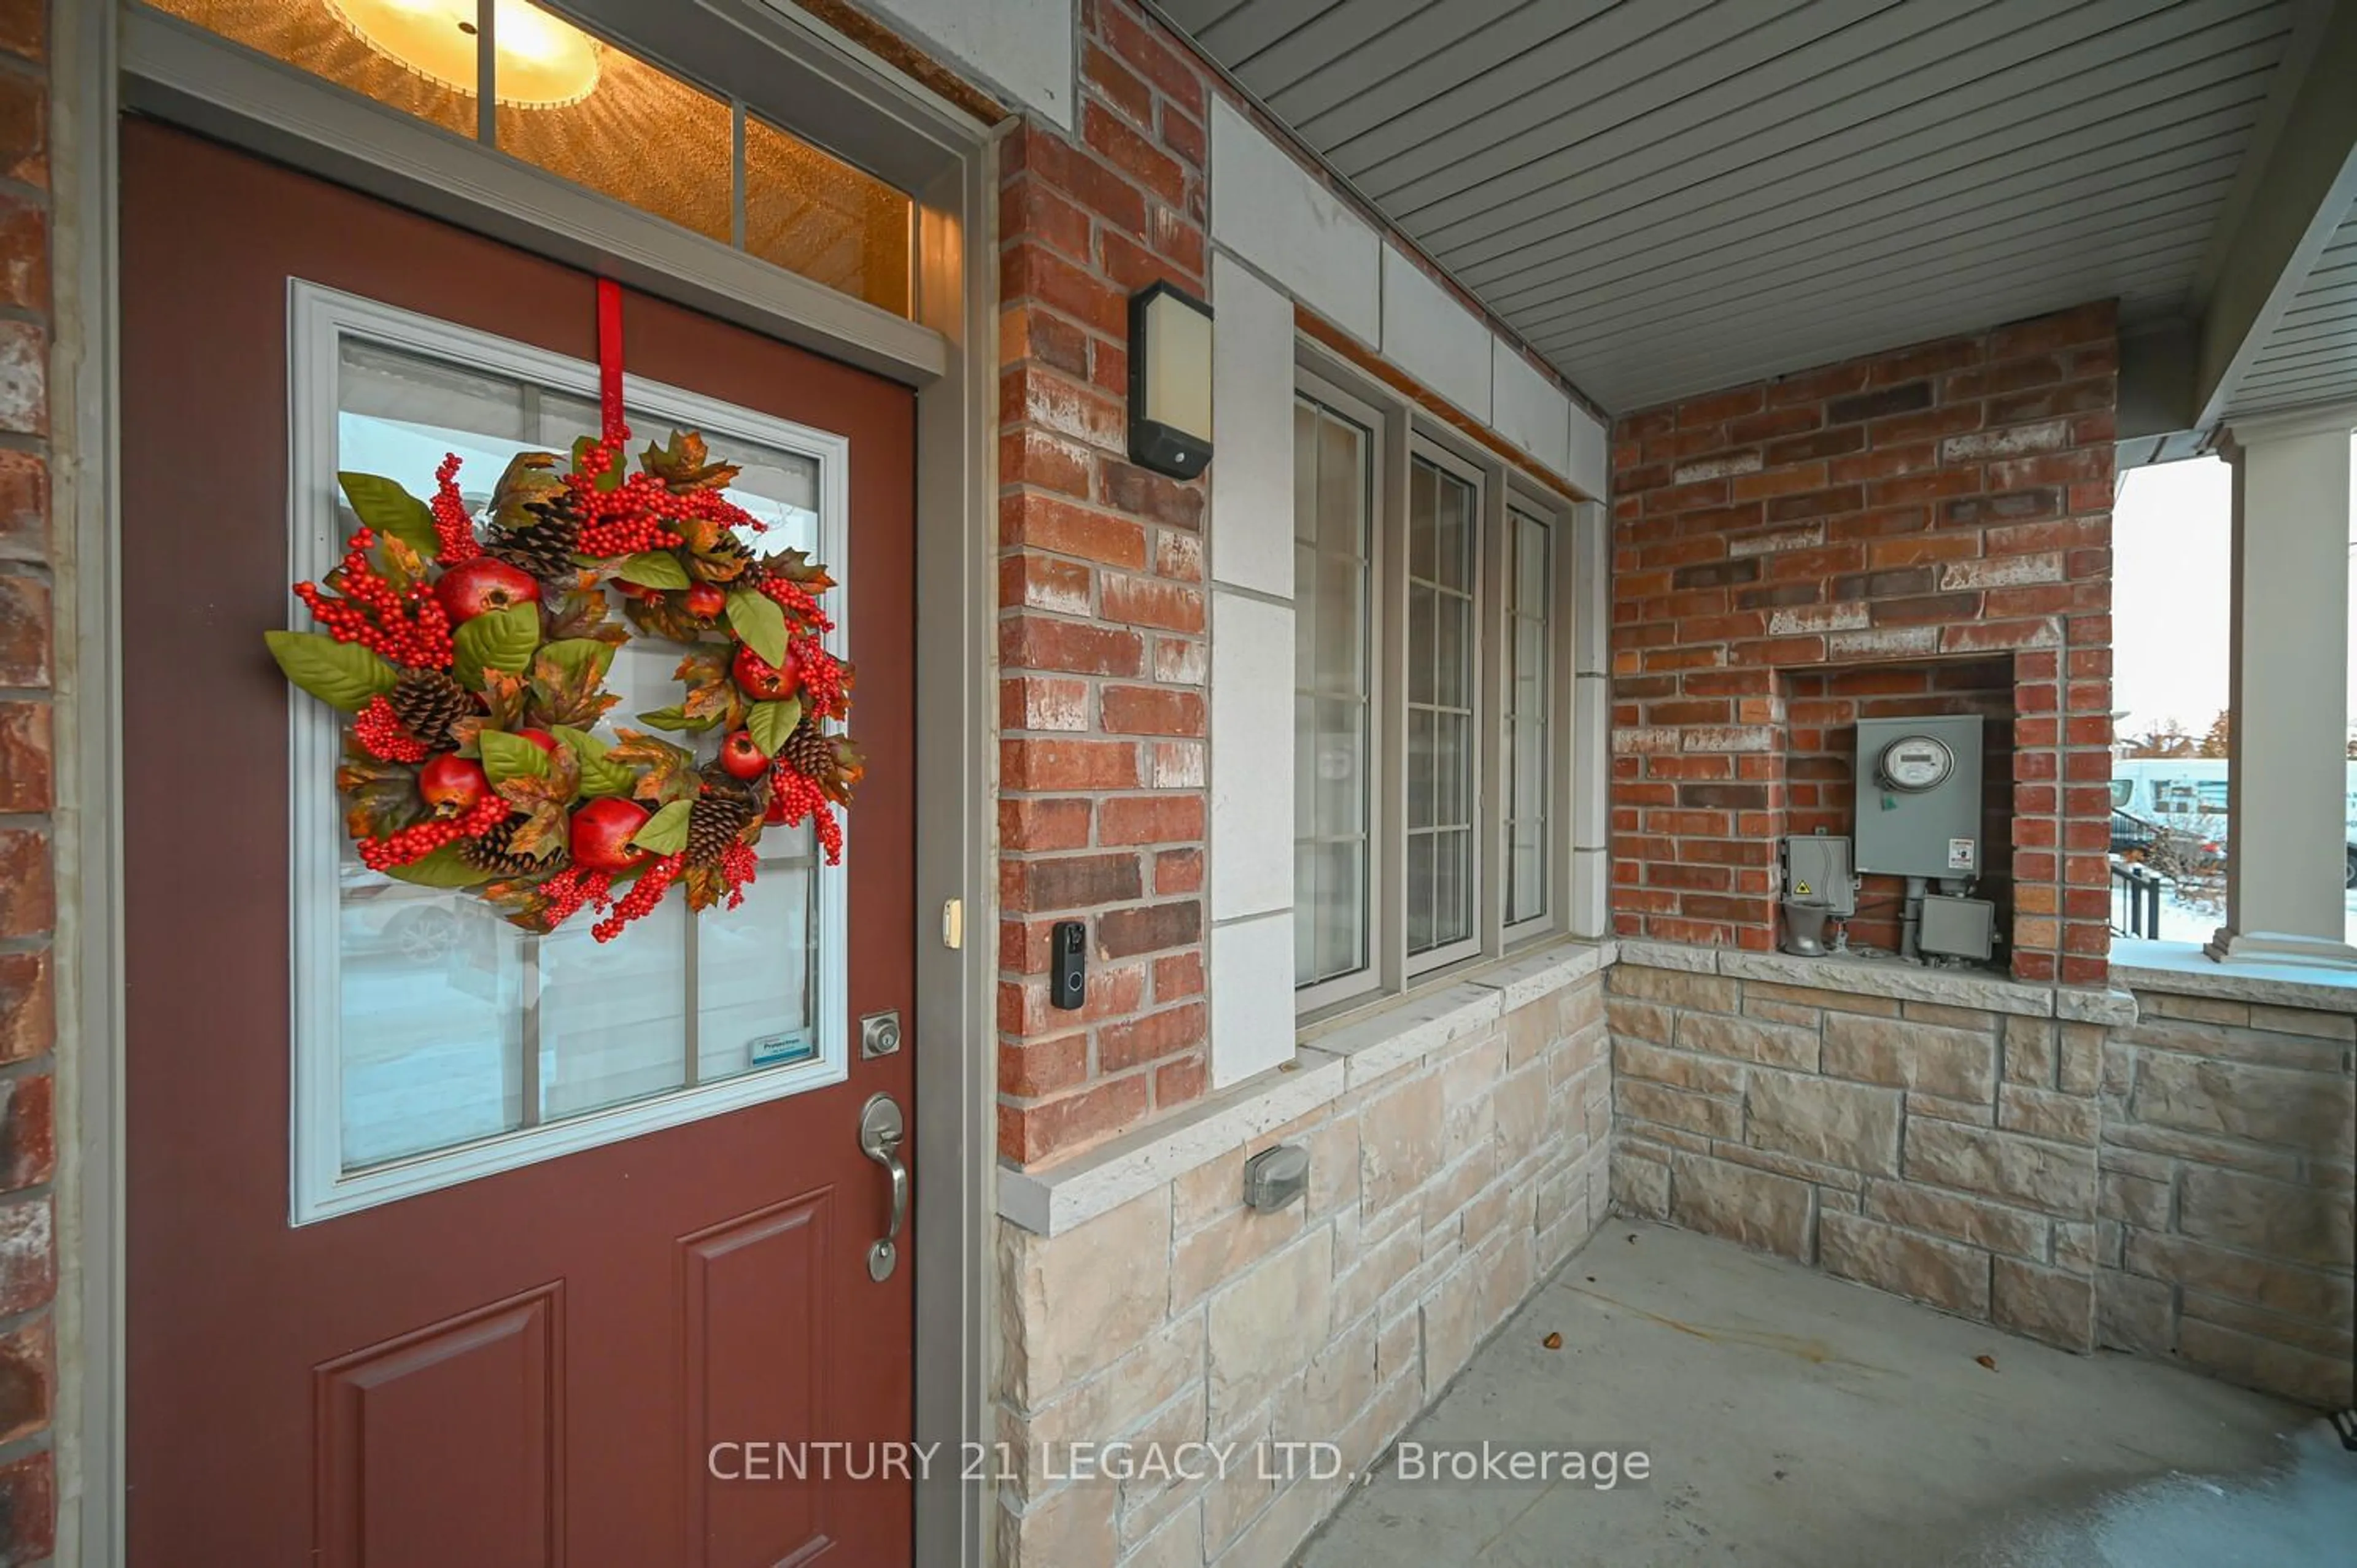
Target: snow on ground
2182,920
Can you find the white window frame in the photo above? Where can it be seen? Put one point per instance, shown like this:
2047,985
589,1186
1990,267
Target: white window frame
1377,914
1403,426
319,321
1393,624
1515,500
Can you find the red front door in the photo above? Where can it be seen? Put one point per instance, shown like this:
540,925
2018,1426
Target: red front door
530,1367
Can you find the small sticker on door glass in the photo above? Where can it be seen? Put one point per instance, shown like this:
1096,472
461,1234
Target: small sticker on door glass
1960,855
770,1050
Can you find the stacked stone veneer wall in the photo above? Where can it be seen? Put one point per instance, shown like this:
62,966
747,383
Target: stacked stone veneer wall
2224,1211
1457,1156
2161,1173
1943,1152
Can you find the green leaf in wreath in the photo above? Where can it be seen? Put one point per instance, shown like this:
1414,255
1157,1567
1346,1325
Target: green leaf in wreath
507,757
443,868
772,722
755,619
497,639
610,477
666,830
341,675
652,569
385,506
678,718
600,774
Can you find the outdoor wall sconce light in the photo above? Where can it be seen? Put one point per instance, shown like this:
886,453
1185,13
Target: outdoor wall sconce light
542,63
1170,382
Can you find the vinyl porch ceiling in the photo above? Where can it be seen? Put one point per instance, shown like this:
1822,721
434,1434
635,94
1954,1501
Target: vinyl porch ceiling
1665,197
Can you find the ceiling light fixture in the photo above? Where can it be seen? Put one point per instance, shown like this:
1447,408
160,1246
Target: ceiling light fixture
542,63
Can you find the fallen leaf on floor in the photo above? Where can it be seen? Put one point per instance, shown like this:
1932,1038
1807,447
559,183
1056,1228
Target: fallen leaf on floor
1988,1361
1553,1341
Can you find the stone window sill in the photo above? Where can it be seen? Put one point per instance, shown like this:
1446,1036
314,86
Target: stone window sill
1328,1062
2182,968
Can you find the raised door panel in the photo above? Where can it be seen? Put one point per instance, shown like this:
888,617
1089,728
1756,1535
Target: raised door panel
757,1314
444,1448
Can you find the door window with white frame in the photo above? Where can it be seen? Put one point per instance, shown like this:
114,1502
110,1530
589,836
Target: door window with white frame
434,1041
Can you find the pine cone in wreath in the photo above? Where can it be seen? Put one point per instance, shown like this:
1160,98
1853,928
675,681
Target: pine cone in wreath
544,550
715,821
490,852
830,761
428,701
811,752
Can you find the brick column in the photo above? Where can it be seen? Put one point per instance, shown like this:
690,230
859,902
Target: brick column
1101,704
28,796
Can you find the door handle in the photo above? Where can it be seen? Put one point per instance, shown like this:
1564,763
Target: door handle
881,1129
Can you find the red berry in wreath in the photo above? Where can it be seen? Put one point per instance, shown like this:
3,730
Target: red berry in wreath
477,586
602,831
452,784
763,681
705,601
741,757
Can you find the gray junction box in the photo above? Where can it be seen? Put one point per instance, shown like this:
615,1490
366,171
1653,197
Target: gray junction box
1919,797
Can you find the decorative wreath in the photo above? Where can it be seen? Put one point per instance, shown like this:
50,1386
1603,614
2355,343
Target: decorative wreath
473,661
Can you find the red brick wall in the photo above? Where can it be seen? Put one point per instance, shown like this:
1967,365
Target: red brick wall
28,795
1891,522
1101,620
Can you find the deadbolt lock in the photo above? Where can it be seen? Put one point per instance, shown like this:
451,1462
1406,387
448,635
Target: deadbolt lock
879,1035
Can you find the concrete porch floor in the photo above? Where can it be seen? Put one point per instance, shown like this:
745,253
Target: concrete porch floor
1795,1419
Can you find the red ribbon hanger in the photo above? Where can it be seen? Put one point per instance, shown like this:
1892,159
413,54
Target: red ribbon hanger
609,359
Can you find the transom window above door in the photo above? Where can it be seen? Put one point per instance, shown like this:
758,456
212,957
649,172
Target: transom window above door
578,106
434,1041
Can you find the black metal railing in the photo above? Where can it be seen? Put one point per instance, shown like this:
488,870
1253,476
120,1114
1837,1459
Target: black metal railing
2135,899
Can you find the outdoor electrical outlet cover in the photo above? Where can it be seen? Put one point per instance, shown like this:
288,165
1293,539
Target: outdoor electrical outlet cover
1275,1177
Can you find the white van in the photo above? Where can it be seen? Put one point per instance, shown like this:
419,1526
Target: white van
2189,794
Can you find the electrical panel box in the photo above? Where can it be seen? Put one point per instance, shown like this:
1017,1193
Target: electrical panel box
1957,927
1919,797
1816,871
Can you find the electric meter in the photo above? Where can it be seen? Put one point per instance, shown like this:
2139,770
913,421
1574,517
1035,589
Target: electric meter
1916,762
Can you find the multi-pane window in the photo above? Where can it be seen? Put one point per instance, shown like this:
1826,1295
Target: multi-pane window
1528,652
1443,520
1430,683
1333,542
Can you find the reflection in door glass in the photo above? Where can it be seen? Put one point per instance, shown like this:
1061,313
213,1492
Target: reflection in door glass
456,1027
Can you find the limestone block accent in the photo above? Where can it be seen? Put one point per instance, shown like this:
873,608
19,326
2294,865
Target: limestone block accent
1399,1141
1956,1063
1947,1275
1270,1323
1821,1119
1900,1127
2053,1304
2227,1109
1465,1159
1772,1213
1108,1283
2029,1172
